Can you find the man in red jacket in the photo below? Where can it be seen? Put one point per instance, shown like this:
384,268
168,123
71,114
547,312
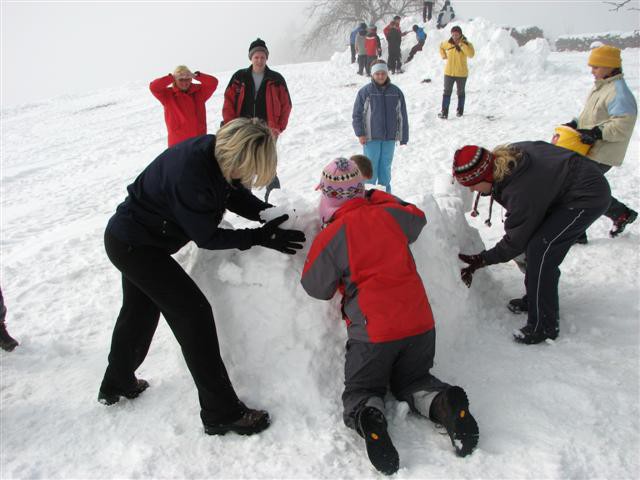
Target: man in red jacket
363,251
259,92
183,102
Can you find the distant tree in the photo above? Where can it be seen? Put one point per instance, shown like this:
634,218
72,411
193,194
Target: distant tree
621,3
337,17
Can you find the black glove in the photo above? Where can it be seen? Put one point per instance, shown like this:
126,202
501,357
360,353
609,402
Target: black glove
458,48
589,137
285,241
475,262
571,124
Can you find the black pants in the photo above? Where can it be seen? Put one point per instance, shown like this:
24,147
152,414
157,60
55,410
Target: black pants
353,52
362,64
403,365
545,252
427,11
616,207
370,60
395,59
460,83
416,48
154,283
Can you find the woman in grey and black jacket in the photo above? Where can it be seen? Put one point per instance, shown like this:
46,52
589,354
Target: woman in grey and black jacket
551,196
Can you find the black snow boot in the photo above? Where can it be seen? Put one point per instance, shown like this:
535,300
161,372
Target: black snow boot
372,426
518,305
443,115
251,421
7,342
450,409
109,396
528,335
620,223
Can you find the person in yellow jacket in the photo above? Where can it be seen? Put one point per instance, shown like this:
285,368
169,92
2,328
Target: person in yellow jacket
606,123
455,51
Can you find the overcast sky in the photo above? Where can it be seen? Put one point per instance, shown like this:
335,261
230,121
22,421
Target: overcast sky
56,48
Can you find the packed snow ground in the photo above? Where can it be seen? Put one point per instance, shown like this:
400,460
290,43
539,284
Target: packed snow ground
568,409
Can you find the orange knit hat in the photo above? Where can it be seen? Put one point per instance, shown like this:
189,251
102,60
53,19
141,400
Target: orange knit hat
605,56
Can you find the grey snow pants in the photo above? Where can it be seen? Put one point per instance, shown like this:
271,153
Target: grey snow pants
401,365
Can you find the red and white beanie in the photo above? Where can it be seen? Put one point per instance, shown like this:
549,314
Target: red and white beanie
341,181
473,164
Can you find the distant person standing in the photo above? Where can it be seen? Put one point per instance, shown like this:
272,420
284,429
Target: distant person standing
606,123
258,92
352,40
379,120
361,51
372,47
446,15
7,342
394,40
183,102
421,37
455,51
427,10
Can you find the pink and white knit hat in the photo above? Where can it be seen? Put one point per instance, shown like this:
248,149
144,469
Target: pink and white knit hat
341,181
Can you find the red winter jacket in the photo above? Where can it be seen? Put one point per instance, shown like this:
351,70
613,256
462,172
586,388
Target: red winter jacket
272,104
184,112
371,46
364,252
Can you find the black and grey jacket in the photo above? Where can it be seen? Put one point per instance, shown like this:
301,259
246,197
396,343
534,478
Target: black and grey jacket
546,177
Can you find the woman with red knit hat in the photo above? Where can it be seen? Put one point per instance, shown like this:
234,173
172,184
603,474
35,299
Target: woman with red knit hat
551,195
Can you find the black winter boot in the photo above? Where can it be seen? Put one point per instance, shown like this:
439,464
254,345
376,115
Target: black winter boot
372,426
620,223
518,305
7,342
450,409
251,421
109,396
528,335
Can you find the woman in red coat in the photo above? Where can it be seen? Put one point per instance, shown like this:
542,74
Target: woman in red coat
183,101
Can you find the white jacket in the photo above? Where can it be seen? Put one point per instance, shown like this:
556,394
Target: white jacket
612,107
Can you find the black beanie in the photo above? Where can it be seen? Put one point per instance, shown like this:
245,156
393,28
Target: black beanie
258,45
456,29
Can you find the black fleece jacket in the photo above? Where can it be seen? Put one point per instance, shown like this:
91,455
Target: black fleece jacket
182,196
545,178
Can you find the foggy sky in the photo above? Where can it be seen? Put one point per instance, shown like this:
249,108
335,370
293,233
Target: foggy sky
56,48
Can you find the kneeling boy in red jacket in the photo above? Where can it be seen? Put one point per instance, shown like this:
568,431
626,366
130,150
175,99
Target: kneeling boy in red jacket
363,251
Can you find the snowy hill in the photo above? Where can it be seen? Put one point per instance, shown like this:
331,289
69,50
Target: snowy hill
568,409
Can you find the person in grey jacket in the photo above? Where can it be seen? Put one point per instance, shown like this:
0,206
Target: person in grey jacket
551,195
379,121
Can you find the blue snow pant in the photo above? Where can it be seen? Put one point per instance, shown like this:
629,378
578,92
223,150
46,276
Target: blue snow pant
545,252
380,152
403,365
